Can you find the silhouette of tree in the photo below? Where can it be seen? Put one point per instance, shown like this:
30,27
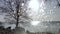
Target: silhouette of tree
15,10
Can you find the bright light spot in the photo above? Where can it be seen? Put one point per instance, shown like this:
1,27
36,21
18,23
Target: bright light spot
37,11
35,22
34,5
22,4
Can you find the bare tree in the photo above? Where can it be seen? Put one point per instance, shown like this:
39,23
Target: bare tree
15,9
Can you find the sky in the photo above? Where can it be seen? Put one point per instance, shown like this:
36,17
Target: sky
44,10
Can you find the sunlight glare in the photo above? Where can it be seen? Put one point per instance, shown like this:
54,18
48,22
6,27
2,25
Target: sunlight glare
34,5
35,22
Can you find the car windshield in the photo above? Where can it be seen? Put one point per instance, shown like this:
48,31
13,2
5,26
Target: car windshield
30,16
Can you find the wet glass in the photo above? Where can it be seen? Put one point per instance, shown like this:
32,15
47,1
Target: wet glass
45,15
29,16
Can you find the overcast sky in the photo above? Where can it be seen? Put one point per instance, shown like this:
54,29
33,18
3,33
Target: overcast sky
42,11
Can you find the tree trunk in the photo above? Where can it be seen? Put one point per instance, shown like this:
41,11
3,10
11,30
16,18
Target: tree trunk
17,19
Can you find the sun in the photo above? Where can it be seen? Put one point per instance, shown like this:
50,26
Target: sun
34,5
